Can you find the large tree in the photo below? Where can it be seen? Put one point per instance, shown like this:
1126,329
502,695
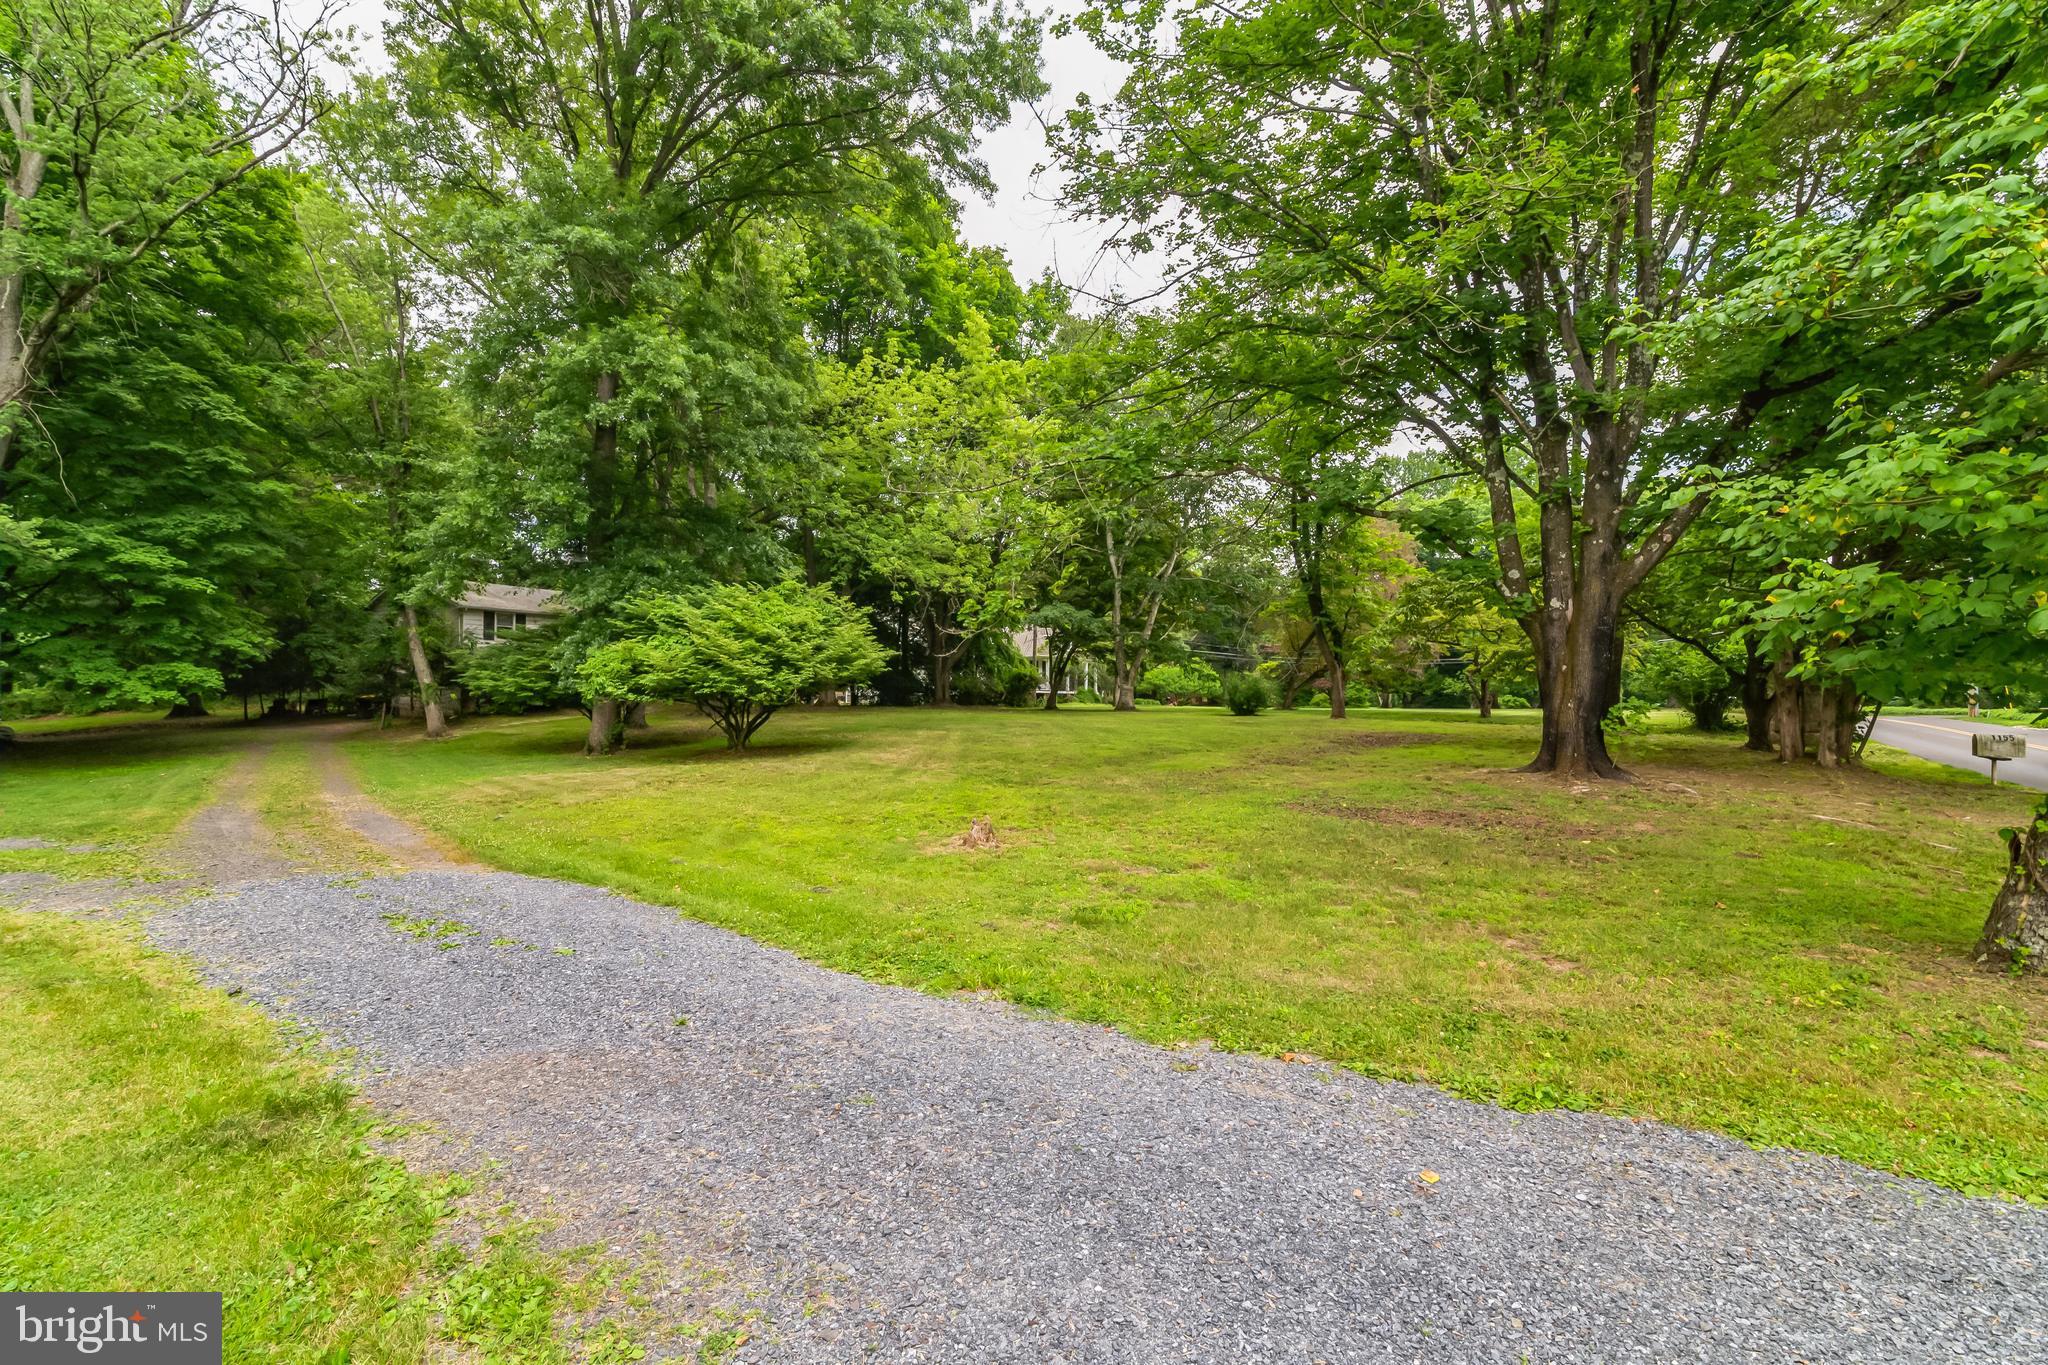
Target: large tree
123,118
394,428
123,124
598,159
182,512
1149,481
1912,544
1495,219
938,472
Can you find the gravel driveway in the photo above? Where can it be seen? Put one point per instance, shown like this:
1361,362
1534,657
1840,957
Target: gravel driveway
884,1175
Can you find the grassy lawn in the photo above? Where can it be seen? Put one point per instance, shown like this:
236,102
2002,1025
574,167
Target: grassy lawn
123,794
111,790
162,1135
1775,954
100,720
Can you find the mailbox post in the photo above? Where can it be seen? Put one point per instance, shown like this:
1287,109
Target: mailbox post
1995,747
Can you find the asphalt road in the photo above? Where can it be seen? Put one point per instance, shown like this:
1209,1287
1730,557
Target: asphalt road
1946,739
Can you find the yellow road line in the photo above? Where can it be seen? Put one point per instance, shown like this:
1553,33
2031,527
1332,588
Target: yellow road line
1924,725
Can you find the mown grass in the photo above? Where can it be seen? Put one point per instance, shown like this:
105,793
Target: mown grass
162,1135
103,789
1776,954
122,794
98,720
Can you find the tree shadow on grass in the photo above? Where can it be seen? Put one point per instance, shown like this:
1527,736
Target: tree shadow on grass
120,744
708,746
673,738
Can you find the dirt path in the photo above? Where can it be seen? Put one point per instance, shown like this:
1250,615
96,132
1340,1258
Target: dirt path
404,843
864,1172
226,842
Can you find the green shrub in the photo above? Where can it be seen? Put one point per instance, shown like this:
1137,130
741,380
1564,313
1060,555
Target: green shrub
1020,685
991,672
1246,694
1510,702
739,653
30,701
1191,682
520,672
1087,696
996,685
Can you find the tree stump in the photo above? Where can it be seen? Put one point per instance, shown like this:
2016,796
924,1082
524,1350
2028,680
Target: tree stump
2016,931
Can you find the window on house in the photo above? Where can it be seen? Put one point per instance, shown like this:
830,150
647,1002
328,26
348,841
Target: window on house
519,620
490,625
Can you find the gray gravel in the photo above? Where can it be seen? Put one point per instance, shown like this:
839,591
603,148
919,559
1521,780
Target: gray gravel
886,1175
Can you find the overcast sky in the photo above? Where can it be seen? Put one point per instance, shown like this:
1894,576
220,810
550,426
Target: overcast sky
1024,217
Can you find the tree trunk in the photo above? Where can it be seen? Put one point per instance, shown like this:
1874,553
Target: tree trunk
942,679
1756,702
192,707
1826,732
1485,698
1130,666
1788,712
1336,666
423,673
607,726
1546,702
1581,689
1835,726
636,716
1848,708
1126,683
18,359
2016,931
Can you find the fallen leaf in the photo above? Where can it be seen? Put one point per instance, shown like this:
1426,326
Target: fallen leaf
1430,1177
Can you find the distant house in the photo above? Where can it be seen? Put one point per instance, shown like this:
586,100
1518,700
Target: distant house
1033,641
489,612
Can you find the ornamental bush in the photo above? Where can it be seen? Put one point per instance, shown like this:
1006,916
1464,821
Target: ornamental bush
739,653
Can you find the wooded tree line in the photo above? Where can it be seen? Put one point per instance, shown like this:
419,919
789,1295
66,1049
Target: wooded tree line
1577,353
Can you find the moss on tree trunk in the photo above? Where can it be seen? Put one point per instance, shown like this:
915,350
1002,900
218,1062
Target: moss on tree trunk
2016,930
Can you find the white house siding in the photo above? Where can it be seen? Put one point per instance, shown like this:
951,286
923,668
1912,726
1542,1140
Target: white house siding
509,603
1031,643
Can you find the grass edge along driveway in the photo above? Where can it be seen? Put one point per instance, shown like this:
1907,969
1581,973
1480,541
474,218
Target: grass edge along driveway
1774,954
164,1135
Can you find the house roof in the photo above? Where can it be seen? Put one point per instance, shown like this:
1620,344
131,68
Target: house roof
509,597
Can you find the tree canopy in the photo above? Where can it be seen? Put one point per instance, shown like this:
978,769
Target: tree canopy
1588,356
